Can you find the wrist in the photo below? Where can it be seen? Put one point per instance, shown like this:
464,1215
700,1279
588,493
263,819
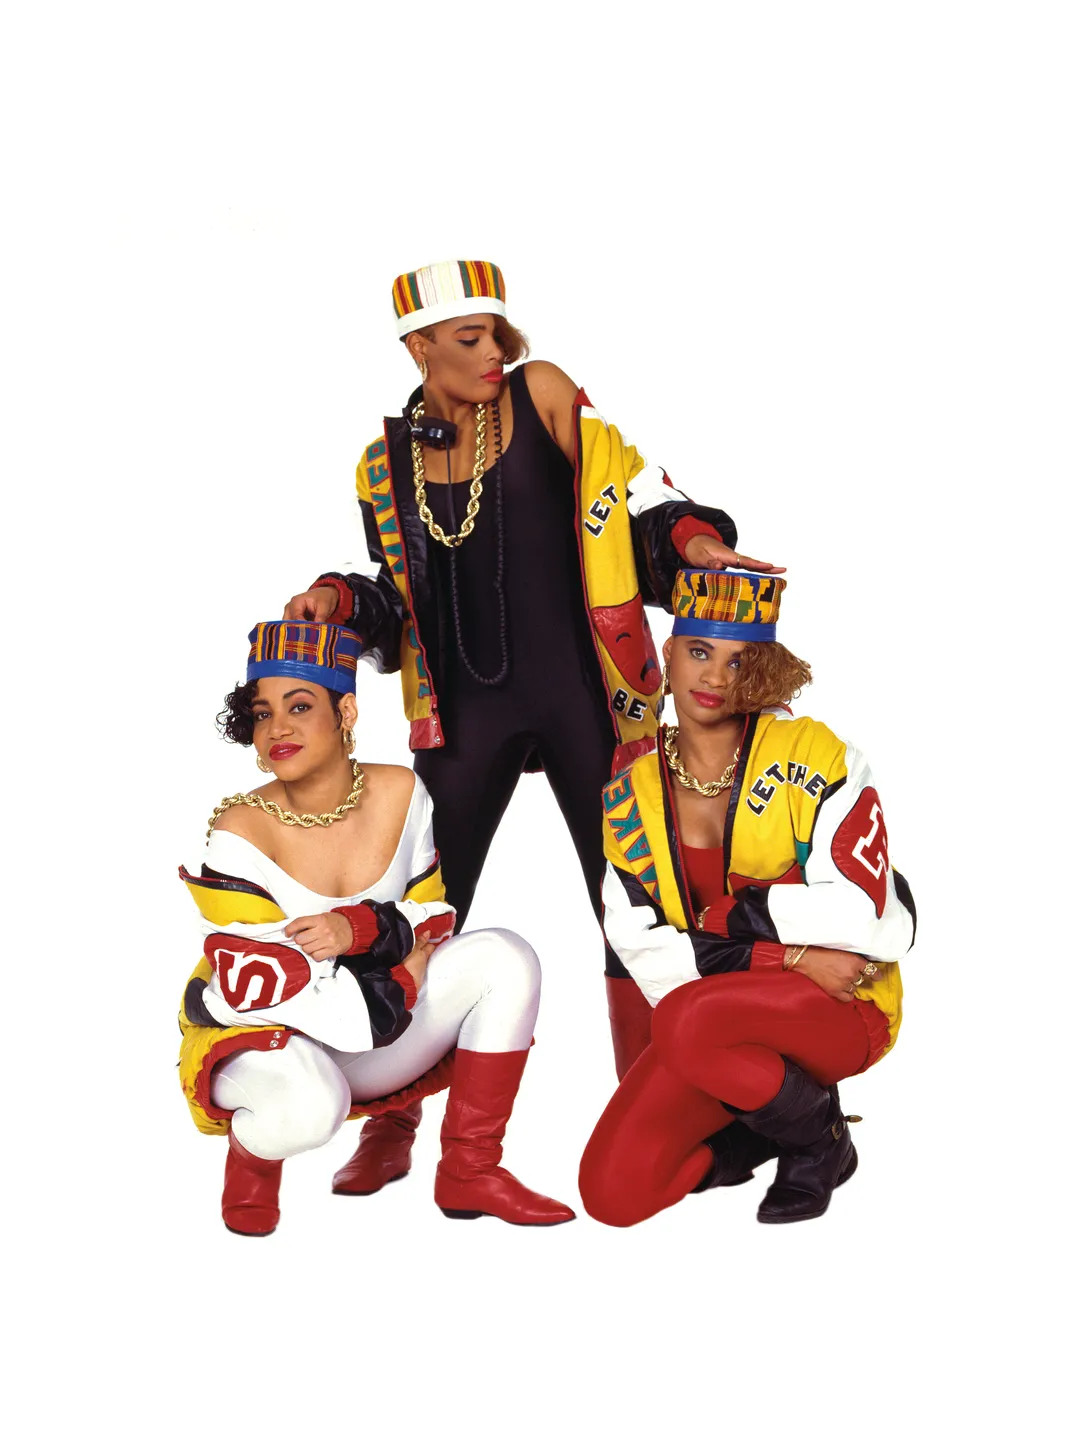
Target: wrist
401,976
363,924
767,955
688,527
344,605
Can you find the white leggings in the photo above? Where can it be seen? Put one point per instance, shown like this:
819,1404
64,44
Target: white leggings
481,993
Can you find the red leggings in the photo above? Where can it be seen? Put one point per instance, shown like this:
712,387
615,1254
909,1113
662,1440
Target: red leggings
713,1041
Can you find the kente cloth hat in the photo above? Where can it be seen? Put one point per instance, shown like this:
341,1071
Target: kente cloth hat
734,604
447,290
314,651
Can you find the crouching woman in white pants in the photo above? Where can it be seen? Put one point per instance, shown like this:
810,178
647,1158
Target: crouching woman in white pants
331,984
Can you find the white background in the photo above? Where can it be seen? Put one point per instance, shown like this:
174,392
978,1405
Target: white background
814,258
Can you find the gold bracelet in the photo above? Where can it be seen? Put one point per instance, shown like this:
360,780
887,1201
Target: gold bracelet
792,958
701,915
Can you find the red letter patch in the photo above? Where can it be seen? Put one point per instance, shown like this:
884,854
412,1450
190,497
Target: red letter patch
253,976
860,850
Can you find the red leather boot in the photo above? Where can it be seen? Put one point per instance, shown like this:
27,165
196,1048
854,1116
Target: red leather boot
630,1021
469,1181
383,1152
250,1191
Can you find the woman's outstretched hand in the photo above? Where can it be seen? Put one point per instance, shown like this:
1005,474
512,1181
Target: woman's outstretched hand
705,551
321,936
835,971
316,604
416,962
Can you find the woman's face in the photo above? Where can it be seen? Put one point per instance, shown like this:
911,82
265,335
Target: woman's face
295,728
702,670
465,361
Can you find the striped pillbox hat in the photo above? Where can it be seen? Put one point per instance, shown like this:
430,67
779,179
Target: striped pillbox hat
312,651
447,290
737,605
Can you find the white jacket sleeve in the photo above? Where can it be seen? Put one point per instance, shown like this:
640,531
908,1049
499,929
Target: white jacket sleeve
259,976
424,903
852,898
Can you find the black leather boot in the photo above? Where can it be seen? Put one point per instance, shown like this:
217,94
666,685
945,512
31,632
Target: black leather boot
815,1149
738,1149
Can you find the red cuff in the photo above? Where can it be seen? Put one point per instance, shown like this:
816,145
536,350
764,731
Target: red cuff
364,926
345,609
687,527
766,955
715,916
401,976
439,928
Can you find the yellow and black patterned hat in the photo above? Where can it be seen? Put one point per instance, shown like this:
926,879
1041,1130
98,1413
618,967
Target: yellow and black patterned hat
738,605
447,290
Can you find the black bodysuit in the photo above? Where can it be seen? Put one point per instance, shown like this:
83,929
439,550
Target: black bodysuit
548,704
550,709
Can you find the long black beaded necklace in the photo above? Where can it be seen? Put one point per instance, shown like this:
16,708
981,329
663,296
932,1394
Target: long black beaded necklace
500,676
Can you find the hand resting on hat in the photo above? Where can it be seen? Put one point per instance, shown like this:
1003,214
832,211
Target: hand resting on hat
712,555
317,604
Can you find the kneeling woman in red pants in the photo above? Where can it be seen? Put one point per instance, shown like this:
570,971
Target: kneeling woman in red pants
750,895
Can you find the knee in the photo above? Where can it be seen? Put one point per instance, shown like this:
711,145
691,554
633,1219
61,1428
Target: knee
605,1191
506,957
676,1021
323,1110
310,1106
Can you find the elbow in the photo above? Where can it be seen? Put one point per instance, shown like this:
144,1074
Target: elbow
888,939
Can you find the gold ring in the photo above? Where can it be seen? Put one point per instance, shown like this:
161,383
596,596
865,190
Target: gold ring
871,969
858,981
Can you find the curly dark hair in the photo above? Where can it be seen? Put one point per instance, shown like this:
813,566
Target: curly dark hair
235,722
769,675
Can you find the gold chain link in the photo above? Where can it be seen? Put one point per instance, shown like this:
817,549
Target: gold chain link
689,780
475,490
284,815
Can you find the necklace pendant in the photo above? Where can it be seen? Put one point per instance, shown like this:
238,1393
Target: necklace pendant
475,490
689,780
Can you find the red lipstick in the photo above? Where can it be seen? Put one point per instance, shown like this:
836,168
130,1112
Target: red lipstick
492,376
283,750
708,699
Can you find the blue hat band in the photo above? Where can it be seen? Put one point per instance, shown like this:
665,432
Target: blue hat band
734,631
331,677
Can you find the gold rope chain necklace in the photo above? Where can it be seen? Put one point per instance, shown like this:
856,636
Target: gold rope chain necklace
689,780
284,815
475,490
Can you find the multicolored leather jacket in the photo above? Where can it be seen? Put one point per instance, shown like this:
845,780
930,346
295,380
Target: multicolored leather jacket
806,863
626,511
254,987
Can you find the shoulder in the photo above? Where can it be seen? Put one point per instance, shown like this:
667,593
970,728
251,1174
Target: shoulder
642,776
248,822
548,384
375,450
805,738
389,777
390,785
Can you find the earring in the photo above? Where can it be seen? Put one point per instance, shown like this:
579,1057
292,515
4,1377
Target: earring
422,364
261,764
349,740
666,681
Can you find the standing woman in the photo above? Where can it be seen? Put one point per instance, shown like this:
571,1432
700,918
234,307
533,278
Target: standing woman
509,538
